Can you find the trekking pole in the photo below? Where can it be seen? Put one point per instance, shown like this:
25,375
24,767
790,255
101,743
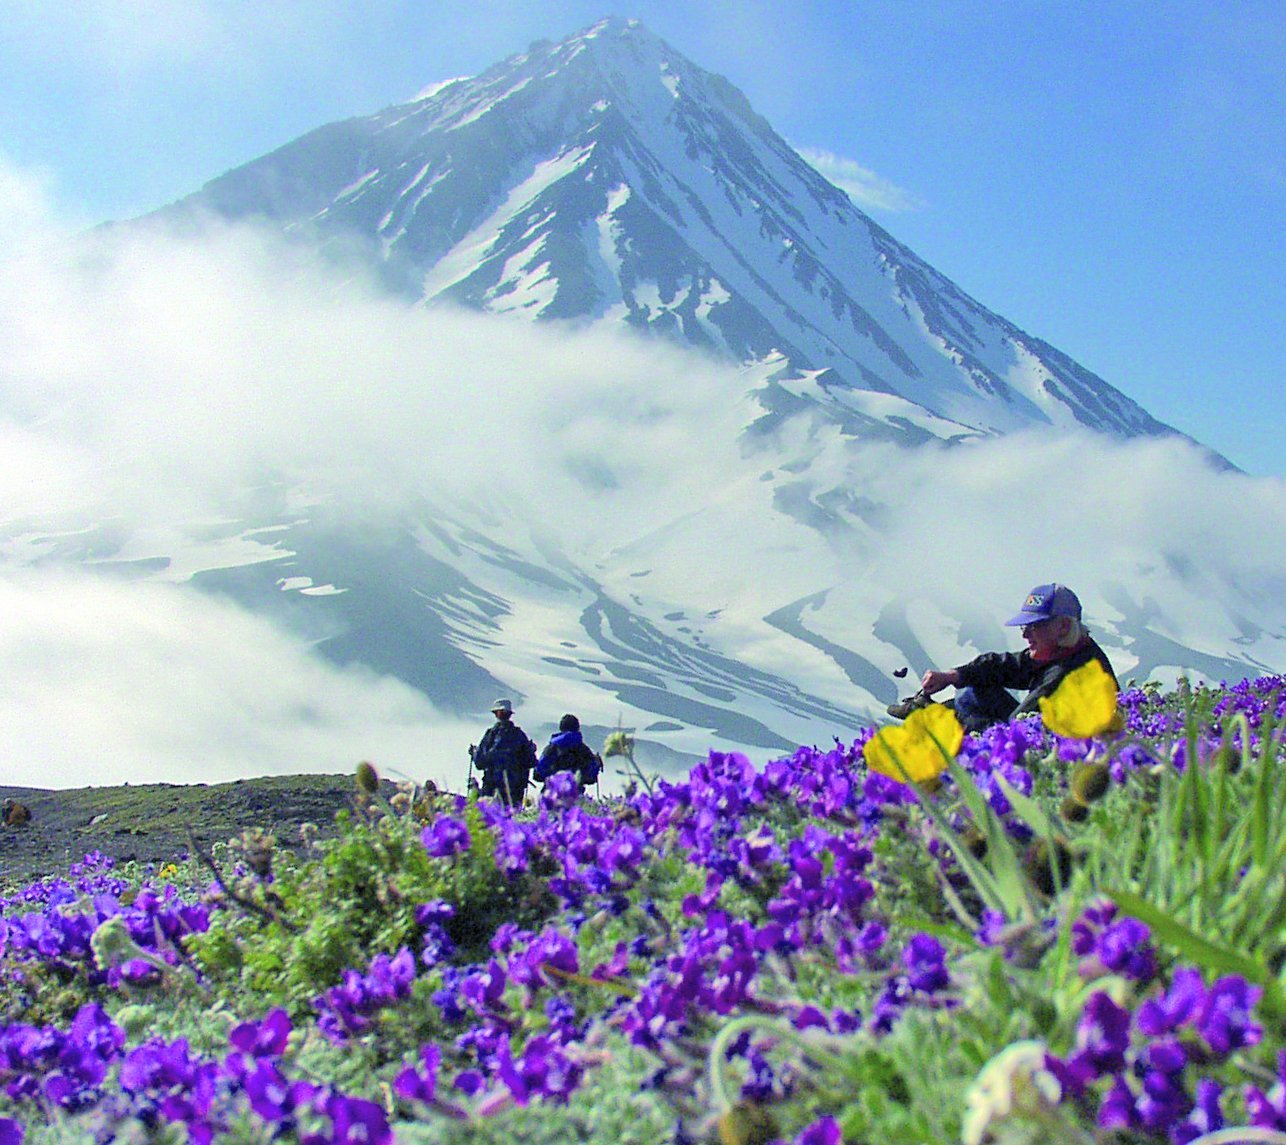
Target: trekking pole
469,782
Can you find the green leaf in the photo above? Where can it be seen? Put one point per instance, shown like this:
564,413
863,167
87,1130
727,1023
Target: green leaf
978,875
1209,955
1012,886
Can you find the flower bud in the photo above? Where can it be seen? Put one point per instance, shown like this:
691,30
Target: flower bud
1041,862
1090,781
1227,758
257,845
368,779
619,743
747,1124
975,841
1073,810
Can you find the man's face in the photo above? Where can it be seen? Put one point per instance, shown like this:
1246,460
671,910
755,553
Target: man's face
1042,636
502,715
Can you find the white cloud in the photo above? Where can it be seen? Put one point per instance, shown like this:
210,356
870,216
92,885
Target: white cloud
105,682
174,371
868,190
1152,515
146,382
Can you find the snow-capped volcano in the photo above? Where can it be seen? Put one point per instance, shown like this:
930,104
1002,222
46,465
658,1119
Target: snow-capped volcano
606,178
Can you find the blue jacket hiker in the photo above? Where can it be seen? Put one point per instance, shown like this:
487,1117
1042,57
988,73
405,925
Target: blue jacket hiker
505,757
567,751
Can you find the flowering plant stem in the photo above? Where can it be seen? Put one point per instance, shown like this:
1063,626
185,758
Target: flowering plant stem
999,882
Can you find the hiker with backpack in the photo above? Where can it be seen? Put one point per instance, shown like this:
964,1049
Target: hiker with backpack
568,751
1057,644
505,756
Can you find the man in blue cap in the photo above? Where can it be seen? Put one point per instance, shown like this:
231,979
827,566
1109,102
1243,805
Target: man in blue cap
1057,644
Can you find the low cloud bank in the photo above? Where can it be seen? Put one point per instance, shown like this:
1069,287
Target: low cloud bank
107,682
156,376
1146,531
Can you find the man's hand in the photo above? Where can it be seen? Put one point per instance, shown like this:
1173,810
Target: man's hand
934,681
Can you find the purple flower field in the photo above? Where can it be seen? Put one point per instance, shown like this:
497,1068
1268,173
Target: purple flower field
1055,939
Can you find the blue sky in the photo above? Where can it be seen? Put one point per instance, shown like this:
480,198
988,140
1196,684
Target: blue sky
1110,177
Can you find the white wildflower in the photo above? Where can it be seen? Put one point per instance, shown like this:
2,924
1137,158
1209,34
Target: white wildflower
1015,1081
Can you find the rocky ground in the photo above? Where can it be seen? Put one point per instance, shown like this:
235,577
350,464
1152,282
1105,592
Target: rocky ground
150,823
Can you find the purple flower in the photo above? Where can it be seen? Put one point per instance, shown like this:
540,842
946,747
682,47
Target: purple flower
484,988
438,945
925,961
1102,1037
469,1082
1268,1110
994,923
272,1096
1163,1102
808,1017
167,1077
889,1005
761,1084
355,1121
544,1069
1166,1055
1176,1007
346,1010
1116,1110
1225,1021
550,951
823,1132
1206,1116
420,1085
436,913
263,1039
10,1132
1124,948
561,791
445,836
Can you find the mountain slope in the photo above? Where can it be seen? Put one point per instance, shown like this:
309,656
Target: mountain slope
606,178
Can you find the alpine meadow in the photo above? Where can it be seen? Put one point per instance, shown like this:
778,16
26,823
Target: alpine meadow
574,382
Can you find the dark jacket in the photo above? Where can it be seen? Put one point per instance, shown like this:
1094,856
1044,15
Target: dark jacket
505,757
1018,672
567,751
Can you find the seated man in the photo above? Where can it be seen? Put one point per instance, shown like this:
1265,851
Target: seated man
567,751
1057,644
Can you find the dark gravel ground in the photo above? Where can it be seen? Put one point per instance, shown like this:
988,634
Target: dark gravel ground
149,823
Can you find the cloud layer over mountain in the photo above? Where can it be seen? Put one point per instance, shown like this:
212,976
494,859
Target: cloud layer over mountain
146,381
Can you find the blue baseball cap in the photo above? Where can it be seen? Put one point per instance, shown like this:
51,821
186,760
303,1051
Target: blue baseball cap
1046,601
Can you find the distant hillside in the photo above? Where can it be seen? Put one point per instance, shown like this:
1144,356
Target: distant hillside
149,823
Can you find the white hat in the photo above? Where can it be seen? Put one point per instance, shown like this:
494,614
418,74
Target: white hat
503,706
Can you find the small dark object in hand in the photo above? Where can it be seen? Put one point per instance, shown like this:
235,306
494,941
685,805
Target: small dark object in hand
899,672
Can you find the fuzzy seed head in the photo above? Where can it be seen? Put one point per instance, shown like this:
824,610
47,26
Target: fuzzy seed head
1090,782
1073,810
747,1124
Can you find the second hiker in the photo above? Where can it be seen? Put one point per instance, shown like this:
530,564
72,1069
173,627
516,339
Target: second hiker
568,751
